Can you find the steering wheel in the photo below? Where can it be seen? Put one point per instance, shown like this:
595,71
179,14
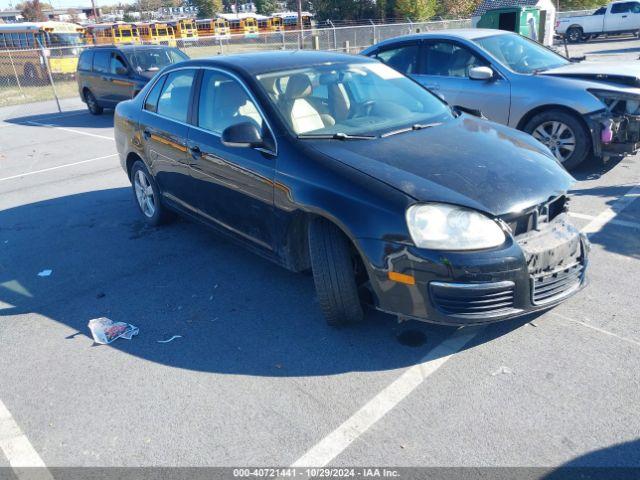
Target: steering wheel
362,109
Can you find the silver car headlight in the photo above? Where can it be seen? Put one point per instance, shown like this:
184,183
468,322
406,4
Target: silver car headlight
440,226
628,102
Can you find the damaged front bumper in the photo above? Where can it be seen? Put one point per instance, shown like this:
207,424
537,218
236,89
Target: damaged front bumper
614,133
530,272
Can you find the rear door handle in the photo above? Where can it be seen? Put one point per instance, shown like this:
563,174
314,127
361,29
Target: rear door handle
146,134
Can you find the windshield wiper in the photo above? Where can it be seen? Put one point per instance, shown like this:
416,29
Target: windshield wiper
335,136
416,126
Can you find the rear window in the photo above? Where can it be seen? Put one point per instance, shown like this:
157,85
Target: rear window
85,61
101,61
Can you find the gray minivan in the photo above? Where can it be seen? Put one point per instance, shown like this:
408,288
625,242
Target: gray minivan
110,74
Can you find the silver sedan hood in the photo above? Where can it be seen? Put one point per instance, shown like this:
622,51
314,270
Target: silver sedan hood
608,72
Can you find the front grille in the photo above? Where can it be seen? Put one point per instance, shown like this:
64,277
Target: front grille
473,299
550,286
531,218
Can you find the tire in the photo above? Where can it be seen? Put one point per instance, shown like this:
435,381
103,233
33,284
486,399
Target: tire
575,35
542,127
148,201
332,264
92,103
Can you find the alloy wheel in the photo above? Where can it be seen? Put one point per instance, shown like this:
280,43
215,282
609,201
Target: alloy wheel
144,194
558,137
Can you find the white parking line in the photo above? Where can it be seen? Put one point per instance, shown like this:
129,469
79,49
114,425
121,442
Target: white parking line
56,168
620,223
609,214
597,329
337,441
18,450
73,130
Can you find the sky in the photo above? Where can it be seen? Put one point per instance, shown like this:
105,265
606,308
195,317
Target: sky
66,3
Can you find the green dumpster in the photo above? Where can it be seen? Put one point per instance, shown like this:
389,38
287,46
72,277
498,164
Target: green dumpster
522,20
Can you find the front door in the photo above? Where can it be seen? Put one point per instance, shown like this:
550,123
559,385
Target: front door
121,87
165,133
444,69
233,187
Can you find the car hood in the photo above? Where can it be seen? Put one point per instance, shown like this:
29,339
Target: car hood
466,161
610,72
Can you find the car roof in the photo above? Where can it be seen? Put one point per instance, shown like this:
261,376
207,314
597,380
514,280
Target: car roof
270,61
129,47
454,33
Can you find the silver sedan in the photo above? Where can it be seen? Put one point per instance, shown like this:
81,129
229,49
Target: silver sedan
578,110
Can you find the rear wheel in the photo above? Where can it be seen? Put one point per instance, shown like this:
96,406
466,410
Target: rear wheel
564,134
92,103
334,273
147,195
575,35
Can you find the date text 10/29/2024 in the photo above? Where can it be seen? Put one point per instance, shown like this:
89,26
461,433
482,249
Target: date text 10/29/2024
320,472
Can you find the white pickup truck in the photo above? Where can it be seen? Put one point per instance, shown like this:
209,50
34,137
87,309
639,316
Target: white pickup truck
616,18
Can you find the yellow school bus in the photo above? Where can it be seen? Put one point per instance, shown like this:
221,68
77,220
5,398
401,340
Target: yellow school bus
157,33
241,24
185,29
269,24
27,49
112,34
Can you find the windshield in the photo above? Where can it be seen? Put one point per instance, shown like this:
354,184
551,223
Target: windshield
356,99
64,39
520,54
154,59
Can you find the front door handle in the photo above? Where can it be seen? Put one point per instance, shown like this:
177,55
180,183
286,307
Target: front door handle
433,86
195,152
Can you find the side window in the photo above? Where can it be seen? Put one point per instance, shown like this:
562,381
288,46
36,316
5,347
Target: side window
403,59
116,63
224,102
621,7
635,7
151,103
174,98
600,11
85,61
101,59
449,60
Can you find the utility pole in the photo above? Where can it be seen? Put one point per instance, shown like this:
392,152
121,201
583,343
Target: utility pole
93,6
300,26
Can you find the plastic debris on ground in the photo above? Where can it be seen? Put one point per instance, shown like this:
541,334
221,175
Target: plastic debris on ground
45,273
170,340
105,331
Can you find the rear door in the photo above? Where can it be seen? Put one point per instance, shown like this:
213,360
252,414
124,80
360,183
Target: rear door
232,187
164,127
444,69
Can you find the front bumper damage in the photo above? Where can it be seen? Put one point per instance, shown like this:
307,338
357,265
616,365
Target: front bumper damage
530,272
614,132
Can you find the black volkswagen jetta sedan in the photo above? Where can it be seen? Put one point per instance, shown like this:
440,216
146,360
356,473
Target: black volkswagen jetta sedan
340,164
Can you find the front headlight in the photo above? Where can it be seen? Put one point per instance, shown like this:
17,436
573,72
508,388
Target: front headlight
628,102
440,226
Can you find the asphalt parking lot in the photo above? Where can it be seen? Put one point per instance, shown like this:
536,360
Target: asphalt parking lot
257,377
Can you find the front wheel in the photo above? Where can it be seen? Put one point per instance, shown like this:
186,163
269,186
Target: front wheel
334,273
564,134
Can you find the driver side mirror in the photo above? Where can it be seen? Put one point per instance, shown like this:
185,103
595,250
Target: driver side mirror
244,134
480,73
122,71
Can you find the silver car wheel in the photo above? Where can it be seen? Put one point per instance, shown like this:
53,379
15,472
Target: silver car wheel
144,194
558,137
